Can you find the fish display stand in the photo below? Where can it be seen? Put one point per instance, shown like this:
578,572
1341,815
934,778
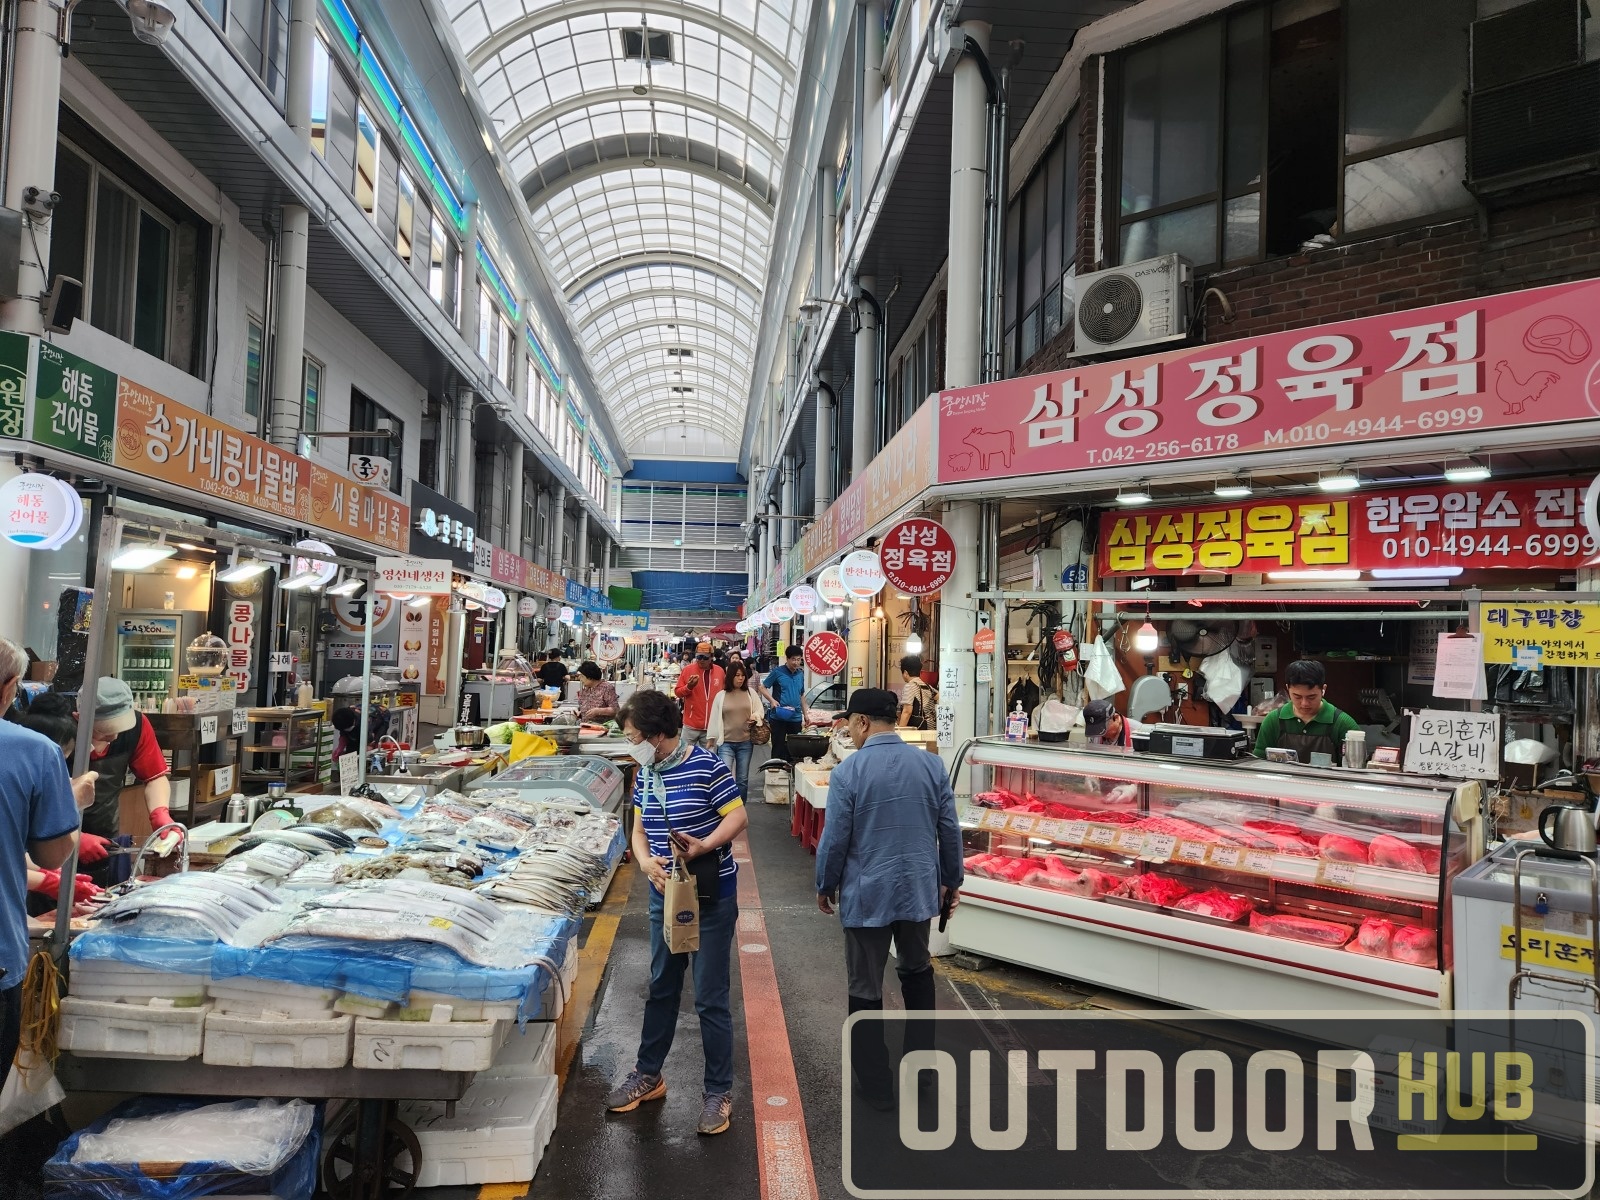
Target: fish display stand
1198,882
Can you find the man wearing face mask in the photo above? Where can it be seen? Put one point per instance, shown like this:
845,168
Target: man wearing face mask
697,684
684,799
890,860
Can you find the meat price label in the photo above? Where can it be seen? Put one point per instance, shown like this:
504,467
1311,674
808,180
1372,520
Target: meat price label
1258,861
1192,852
1337,874
1053,828
993,819
1100,835
1159,846
1076,831
1131,843
1226,857
1022,823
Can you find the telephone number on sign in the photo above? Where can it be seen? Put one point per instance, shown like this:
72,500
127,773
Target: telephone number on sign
1535,545
1366,427
1169,449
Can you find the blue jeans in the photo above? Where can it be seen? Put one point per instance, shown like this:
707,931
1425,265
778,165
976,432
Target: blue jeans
712,983
736,757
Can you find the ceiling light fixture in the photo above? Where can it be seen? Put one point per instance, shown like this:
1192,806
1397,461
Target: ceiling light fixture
913,644
1336,575
142,555
1139,493
302,581
1147,640
1237,488
348,586
1341,479
188,571
1416,572
1467,470
240,569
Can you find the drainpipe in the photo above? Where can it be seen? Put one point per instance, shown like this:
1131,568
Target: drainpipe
868,317
286,412
822,473
968,191
34,102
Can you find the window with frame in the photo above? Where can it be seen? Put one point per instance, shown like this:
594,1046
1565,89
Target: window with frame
368,415
311,399
530,395
406,217
367,152
321,69
488,321
504,356
1249,135
255,336
143,256
259,31
1041,248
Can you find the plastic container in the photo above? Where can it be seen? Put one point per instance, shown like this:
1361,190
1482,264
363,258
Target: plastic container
426,1046
497,1135
104,1029
527,1054
239,1041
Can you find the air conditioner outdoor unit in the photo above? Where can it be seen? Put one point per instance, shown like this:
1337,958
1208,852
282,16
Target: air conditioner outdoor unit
1140,304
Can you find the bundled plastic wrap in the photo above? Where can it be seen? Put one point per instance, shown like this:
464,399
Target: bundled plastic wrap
261,1147
149,947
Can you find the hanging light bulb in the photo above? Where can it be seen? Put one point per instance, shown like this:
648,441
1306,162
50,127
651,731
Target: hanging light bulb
913,644
1147,640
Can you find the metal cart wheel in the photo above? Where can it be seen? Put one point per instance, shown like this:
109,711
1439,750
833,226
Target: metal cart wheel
370,1154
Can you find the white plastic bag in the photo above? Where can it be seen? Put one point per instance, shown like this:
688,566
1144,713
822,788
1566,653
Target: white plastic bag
1225,680
252,1136
20,1103
1100,674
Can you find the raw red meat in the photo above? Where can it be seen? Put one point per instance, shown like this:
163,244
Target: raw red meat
1155,889
1178,827
1013,869
1092,883
1387,851
1285,843
1375,936
1301,929
1430,859
1337,848
1282,827
1416,946
1216,904
1107,816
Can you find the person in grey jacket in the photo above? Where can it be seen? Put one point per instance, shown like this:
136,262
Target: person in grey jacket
890,861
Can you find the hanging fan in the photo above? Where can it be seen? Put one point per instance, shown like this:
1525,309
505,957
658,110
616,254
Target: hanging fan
1201,639
1243,650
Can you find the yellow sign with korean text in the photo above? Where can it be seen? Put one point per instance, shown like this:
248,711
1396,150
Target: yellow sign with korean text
1548,948
1541,634
1256,537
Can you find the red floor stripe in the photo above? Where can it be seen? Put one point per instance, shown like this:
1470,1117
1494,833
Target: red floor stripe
781,1142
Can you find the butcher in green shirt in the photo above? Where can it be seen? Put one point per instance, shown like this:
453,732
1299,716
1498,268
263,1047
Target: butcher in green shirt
1308,724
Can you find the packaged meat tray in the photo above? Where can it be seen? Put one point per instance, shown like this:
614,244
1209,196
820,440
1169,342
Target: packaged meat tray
1332,934
1218,907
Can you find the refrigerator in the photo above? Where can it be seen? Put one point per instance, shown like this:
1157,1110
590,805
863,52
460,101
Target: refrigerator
148,652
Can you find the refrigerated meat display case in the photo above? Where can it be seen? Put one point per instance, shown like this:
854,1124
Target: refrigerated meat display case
580,779
1213,884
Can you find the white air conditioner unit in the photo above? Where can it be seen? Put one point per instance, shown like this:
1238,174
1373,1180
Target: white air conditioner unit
1141,304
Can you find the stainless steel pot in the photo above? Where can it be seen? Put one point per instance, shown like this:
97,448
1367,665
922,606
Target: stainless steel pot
472,737
1573,829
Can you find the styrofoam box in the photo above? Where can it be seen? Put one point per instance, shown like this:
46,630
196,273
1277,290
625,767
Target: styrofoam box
97,979
498,1133
104,1029
243,996
420,1006
239,1041
557,993
527,1054
426,1045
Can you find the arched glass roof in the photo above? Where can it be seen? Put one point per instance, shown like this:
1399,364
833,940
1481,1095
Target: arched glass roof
649,143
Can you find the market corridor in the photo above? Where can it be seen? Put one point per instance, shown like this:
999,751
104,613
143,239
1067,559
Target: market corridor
655,1151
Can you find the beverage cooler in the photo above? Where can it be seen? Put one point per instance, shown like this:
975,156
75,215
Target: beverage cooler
147,652
1214,884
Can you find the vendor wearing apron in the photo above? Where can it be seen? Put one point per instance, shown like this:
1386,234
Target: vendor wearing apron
124,741
1308,724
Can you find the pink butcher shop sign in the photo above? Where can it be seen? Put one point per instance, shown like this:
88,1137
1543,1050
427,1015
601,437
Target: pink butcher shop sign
1524,358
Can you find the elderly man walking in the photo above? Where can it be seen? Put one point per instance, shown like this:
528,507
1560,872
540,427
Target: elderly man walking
890,861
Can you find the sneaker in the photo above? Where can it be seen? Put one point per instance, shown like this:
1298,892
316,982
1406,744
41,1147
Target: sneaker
635,1090
716,1114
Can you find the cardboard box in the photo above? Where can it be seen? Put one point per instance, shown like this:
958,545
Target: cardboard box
42,671
209,783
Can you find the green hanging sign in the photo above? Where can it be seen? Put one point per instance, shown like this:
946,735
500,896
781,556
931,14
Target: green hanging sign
77,406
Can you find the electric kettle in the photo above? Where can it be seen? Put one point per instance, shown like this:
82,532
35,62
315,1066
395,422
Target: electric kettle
1574,829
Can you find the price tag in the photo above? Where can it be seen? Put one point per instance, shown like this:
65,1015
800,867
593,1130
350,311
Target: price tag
1192,852
222,781
1022,822
208,730
1259,861
1100,835
1130,843
1337,874
241,721
1160,845
349,773
1226,857
993,819
1076,831
1053,828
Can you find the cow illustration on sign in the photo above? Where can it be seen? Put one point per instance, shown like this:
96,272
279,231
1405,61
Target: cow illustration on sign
990,444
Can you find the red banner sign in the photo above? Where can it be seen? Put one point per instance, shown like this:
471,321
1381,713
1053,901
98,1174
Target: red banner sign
826,653
1523,358
918,556
1414,531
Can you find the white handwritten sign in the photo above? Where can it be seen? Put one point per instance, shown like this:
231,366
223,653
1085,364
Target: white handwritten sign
208,730
240,722
1457,745
349,772
946,725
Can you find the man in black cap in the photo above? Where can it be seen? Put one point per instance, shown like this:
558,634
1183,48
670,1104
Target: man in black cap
1103,725
890,859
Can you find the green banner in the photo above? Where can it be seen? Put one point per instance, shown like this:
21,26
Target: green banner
13,383
77,405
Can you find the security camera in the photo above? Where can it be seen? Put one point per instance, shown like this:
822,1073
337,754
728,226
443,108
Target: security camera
152,20
38,203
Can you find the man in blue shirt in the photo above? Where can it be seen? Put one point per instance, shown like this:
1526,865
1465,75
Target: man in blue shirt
38,818
890,859
784,688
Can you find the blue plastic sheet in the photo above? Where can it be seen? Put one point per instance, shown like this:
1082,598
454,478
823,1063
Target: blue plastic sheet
180,956
67,1180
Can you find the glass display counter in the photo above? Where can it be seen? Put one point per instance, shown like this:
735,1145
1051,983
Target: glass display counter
1222,885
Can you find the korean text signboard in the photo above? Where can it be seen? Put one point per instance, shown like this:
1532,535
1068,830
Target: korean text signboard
1458,745
826,653
76,409
441,528
1524,525
1523,358
918,556
1542,634
419,576
14,350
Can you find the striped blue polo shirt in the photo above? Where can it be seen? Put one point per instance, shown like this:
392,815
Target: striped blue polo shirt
699,792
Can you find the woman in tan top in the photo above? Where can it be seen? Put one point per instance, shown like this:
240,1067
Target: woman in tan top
735,712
